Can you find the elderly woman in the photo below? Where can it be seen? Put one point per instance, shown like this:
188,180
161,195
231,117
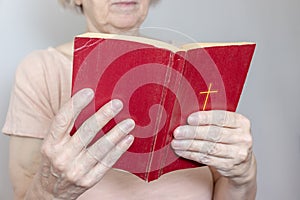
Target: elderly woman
46,163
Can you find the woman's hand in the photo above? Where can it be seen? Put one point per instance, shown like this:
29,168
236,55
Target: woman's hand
69,167
219,139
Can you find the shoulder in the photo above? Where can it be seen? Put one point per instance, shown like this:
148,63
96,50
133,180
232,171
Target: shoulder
44,74
42,85
43,63
41,59
66,50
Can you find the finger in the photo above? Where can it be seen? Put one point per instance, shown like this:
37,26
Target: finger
218,118
113,156
204,147
221,163
95,123
110,140
89,157
64,119
96,174
217,162
209,133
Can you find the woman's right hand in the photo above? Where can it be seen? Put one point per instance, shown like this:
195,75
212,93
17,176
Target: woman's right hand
68,166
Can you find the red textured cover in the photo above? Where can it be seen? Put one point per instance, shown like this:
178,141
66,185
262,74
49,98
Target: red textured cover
159,90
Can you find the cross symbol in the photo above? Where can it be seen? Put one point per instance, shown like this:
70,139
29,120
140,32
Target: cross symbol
208,92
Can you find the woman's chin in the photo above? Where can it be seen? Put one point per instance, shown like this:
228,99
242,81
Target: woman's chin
126,24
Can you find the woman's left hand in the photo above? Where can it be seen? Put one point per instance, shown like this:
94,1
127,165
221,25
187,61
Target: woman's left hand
219,139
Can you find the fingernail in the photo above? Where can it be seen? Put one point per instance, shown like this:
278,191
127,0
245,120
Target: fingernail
129,139
179,153
176,144
193,119
88,92
178,133
116,104
127,125
197,118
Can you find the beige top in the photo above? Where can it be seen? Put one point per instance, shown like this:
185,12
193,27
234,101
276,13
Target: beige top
42,86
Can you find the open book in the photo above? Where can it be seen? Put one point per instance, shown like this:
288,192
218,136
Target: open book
160,86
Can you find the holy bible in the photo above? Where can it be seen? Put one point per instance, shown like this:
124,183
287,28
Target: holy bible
160,85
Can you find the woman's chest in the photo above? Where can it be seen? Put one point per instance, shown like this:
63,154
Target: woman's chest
180,185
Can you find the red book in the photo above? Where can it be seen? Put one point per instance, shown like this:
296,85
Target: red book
160,85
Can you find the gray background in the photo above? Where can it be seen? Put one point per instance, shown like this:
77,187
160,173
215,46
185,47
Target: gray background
271,95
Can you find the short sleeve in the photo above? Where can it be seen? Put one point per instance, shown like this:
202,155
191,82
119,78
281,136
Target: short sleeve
29,113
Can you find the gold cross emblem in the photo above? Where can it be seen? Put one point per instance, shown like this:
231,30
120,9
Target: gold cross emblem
208,92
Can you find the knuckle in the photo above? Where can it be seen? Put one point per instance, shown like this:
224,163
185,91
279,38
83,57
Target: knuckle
85,183
247,122
48,150
214,133
248,140
59,162
190,145
61,120
58,165
219,117
100,148
227,118
224,134
45,151
243,155
203,147
72,176
206,159
121,128
230,118
109,161
207,147
108,113
87,128
226,173
229,165
120,151
76,103
196,132
108,142
105,166
121,148
214,149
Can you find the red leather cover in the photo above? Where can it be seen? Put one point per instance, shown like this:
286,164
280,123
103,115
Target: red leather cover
159,90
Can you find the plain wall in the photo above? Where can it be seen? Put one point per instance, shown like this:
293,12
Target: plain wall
270,98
